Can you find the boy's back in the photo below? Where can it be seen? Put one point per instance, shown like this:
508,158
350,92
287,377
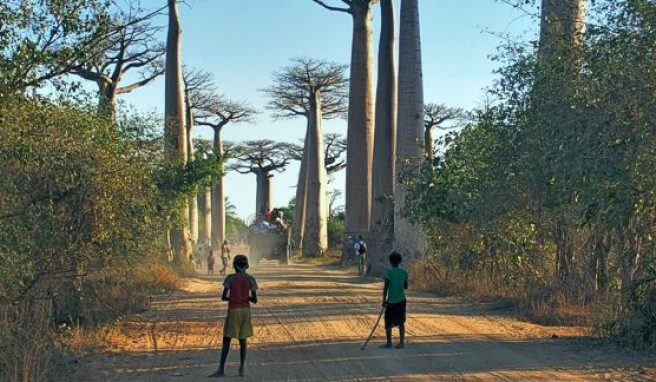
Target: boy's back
240,285
398,278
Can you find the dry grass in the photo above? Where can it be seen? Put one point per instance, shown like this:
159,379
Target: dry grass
330,257
536,303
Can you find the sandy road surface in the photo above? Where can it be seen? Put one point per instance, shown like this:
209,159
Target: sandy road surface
311,323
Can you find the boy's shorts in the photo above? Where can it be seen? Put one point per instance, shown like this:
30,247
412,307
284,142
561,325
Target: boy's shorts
395,314
238,323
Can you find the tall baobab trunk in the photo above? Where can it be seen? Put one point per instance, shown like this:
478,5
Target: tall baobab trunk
359,154
218,198
562,21
384,169
410,125
106,101
193,200
315,237
298,224
205,215
174,121
561,34
428,143
263,193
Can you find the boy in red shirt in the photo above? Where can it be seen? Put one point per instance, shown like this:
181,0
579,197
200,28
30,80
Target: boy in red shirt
239,289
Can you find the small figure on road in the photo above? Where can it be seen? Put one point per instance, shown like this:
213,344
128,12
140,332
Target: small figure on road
225,256
239,289
360,248
210,262
394,300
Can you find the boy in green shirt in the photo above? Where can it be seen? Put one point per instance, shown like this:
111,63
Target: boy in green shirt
396,281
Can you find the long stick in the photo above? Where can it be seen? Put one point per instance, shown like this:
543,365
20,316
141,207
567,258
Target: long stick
374,328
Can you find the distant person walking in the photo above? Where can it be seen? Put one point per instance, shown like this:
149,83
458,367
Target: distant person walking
239,289
360,249
210,262
394,300
225,256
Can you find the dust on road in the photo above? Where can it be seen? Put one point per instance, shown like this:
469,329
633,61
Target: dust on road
311,322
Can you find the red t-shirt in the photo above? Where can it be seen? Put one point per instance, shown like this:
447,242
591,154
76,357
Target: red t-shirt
240,286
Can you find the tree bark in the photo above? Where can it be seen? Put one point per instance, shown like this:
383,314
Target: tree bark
315,238
410,127
217,203
193,201
205,216
561,22
106,101
359,154
428,143
174,124
263,193
298,224
384,166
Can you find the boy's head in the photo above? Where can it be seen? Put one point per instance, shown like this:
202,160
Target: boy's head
240,263
395,258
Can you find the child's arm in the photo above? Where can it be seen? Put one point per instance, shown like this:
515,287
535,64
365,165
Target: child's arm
405,284
385,292
224,296
253,297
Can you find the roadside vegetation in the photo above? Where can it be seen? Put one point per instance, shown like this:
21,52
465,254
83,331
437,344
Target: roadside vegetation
548,196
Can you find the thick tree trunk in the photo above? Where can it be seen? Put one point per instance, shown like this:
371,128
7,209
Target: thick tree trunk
359,154
384,166
561,22
315,238
410,127
263,193
174,124
428,144
298,224
193,201
107,101
218,198
205,216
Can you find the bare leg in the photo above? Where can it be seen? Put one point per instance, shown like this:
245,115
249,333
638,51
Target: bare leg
388,334
224,356
401,344
243,348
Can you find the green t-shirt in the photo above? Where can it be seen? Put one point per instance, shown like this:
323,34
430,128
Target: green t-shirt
396,277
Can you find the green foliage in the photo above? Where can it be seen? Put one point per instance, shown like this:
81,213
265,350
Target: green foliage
336,225
551,191
39,40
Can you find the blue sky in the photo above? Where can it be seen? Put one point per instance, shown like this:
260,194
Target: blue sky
243,41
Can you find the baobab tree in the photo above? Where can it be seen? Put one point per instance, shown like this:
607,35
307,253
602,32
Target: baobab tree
199,91
554,91
289,97
217,115
360,134
204,198
384,164
435,116
410,127
263,158
175,131
334,146
133,46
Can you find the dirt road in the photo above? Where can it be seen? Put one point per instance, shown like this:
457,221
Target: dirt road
311,322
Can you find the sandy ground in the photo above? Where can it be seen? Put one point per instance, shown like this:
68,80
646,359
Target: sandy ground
312,321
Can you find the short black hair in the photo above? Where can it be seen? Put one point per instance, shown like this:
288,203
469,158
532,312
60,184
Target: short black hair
395,258
240,262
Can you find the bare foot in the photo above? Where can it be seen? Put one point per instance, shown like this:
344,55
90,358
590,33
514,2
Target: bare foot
399,346
217,374
386,346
